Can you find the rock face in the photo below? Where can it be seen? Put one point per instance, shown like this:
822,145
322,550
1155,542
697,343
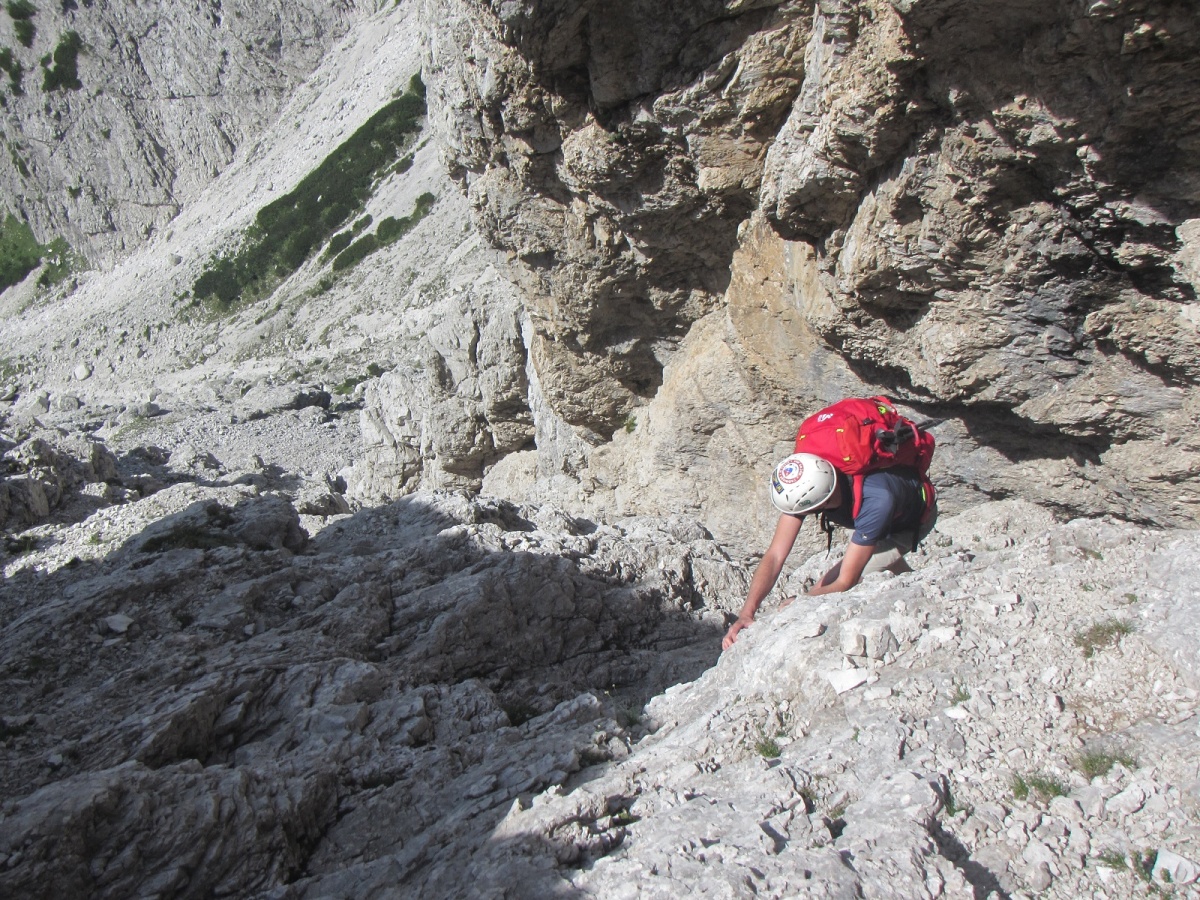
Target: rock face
233,663
151,101
616,170
300,696
987,212
40,471
448,697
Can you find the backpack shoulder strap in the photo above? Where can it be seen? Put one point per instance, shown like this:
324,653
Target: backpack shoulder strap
856,486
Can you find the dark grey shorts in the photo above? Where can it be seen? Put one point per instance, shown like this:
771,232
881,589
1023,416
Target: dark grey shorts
891,549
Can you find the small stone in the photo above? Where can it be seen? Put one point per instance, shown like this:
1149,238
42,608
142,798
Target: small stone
82,372
1092,801
66,403
957,713
1037,853
118,624
1066,808
808,630
877,692
853,643
1127,802
1038,877
844,680
936,637
1178,869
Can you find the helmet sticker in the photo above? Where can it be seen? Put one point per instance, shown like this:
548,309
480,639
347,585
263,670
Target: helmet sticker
790,471
775,483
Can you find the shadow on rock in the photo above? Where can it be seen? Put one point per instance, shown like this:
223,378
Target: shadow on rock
257,711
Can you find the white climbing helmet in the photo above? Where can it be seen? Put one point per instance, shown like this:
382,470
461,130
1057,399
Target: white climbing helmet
801,483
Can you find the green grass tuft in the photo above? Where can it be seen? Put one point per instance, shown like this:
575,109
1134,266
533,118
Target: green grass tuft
1094,763
1043,786
1047,786
768,748
1103,634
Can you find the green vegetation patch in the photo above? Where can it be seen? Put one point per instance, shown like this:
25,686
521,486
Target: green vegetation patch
1044,786
22,13
373,371
25,31
1094,763
339,242
20,10
10,65
64,73
1103,634
60,261
17,161
20,253
389,231
768,748
291,229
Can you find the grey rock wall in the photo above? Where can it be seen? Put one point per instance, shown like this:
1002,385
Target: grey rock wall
167,93
988,212
616,170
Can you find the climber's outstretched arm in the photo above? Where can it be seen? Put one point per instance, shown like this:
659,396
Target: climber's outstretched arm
766,574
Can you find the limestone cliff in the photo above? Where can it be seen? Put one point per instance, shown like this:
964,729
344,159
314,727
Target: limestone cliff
118,114
988,211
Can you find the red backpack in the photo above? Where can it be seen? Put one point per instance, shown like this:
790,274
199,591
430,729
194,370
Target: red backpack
861,436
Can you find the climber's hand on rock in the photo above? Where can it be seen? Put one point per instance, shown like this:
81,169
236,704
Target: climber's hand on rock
732,633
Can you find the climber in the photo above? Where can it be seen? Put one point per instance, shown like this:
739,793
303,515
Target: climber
895,512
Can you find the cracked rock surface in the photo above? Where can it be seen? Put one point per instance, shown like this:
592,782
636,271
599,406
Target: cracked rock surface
219,703
455,697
